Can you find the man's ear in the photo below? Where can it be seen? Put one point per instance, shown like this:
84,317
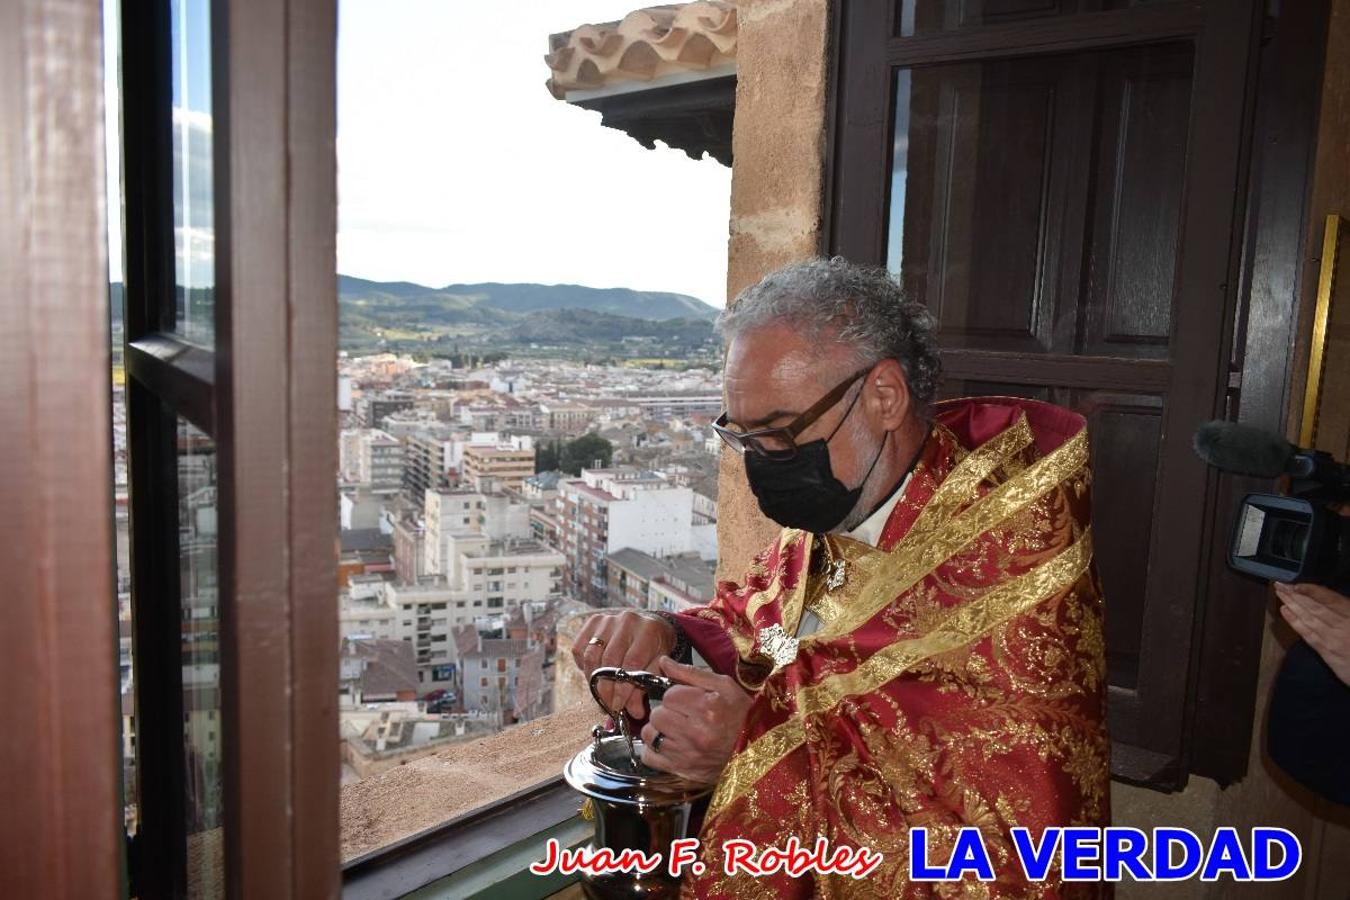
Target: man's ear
888,394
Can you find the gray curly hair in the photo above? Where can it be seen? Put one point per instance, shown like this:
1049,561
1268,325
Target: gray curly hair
860,306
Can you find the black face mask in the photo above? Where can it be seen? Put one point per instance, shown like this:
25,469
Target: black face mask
802,492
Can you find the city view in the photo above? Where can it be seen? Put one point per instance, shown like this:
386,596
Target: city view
487,498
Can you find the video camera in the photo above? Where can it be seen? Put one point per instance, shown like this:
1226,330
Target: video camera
1294,537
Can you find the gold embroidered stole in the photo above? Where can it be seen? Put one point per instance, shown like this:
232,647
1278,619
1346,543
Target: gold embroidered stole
954,516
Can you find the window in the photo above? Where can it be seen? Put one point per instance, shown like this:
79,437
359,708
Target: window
196,428
383,363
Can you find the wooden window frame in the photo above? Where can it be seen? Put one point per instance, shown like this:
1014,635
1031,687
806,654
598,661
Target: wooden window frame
1217,706
60,831
266,395
271,368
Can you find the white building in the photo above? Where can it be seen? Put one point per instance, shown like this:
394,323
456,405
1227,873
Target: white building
344,393
488,578
349,454
362,616
497,515
608,509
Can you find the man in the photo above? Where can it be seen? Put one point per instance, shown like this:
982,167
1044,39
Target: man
922,644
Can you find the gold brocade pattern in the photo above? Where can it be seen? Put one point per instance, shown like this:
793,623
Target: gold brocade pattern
959,486
967,623
910,561
957,678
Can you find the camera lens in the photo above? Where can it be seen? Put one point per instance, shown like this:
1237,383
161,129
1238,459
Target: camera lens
1288,539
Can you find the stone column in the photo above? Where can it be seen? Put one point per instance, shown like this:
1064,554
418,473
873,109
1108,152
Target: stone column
776,186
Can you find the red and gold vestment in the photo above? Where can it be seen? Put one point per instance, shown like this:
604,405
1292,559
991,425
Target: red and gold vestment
957,677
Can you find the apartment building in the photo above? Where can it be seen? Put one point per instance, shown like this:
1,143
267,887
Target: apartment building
606,510
504,676
484,578
506,463
381,460
426,465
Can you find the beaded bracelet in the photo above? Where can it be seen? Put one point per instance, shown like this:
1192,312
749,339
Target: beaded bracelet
681,651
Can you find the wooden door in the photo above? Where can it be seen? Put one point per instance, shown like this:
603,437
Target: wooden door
1061,183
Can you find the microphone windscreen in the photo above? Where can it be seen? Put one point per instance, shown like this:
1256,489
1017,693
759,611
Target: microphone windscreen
1243,449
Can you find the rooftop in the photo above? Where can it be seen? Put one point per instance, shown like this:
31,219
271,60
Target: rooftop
361,540
652,43
387,666
495,647
693,575
664,73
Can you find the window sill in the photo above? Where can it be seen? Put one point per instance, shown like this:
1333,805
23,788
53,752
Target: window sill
427,821
478,854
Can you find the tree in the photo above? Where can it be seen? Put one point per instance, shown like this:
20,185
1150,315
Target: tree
546,457
583,453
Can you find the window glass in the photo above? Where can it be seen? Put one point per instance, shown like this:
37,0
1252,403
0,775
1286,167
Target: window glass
193,195
993,162
202,738
116,262
929,16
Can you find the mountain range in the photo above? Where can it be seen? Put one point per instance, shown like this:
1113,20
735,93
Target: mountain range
486,302
399,313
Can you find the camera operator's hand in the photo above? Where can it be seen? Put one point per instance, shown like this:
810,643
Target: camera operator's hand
1322,618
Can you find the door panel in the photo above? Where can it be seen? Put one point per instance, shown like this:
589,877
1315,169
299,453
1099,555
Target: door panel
971,195
1135,225
1071,220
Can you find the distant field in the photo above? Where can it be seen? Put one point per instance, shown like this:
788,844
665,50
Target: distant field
655,362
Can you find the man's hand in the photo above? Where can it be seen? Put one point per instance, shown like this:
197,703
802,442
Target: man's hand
699,721
628,639
1322,618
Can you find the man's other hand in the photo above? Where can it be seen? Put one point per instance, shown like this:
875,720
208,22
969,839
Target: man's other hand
1322,618
699,721
628,639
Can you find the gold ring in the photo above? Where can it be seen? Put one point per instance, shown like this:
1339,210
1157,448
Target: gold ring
595,642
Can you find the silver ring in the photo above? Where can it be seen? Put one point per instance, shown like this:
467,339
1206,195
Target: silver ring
656,742
595,642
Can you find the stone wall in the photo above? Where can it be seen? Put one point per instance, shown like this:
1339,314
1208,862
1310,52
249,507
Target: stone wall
779,148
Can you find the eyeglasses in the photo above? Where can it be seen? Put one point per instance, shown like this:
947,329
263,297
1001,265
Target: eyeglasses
781,442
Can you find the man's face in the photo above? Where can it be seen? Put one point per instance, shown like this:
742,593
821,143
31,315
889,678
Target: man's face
773,374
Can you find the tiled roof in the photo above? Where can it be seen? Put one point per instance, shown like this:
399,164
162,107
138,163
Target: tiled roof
388,667
466,639
493,648
649,43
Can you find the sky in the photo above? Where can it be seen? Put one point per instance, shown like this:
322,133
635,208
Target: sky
456,165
